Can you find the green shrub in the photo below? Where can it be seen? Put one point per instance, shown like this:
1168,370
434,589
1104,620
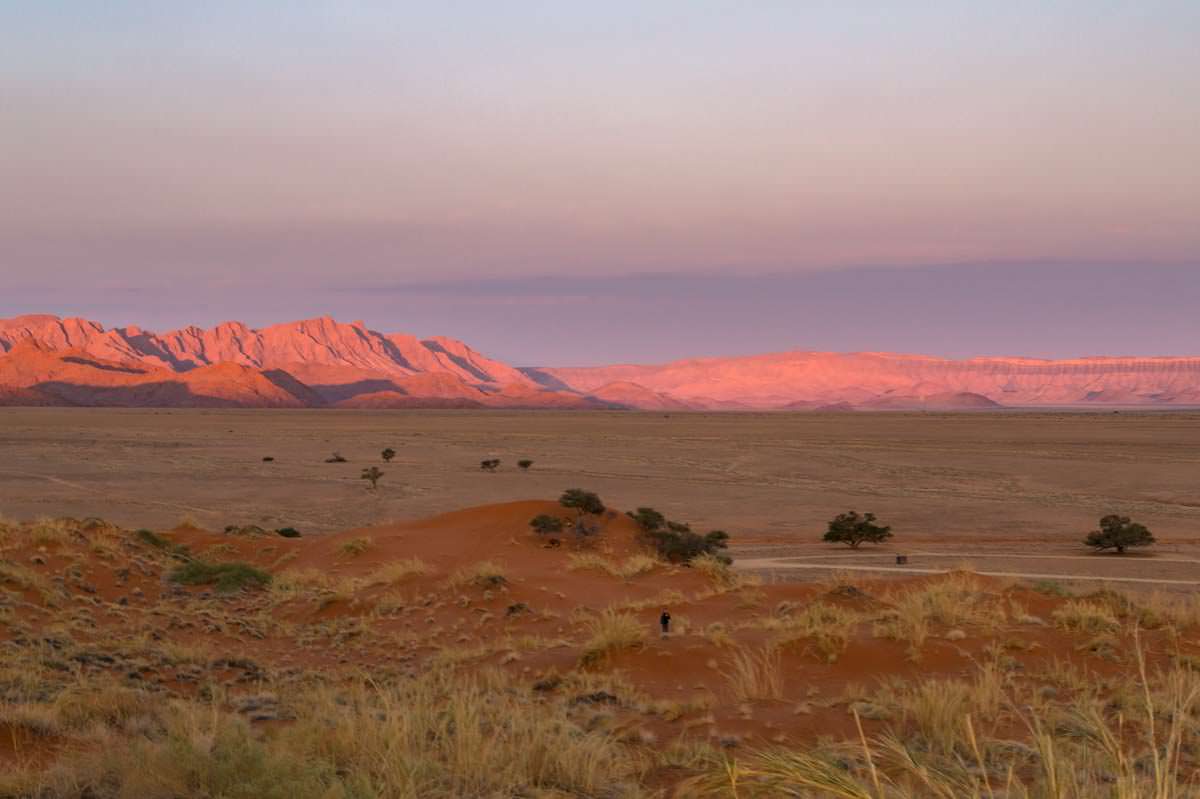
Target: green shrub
543,524
581,501
151,538
648,519
225,576
288,532
1118,532
682,546
853,529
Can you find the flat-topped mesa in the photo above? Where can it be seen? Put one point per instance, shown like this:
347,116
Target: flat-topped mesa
823,378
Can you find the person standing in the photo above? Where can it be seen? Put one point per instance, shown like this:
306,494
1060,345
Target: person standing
665,621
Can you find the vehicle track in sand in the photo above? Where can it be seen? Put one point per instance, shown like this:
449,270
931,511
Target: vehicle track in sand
786,564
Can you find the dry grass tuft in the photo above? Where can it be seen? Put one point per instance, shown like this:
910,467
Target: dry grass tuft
485,574
397,571
1086,617
611,631
356,546
631,567
756,674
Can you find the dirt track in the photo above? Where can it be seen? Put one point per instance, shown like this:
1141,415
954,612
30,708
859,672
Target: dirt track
776,565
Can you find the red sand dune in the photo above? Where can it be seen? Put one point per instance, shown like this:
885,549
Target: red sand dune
541,599
322,362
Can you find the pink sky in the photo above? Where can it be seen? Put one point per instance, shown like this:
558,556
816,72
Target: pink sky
208,144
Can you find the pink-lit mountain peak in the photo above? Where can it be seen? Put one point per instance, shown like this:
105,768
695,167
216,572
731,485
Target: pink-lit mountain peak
325,362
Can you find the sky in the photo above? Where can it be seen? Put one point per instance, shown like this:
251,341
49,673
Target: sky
621,181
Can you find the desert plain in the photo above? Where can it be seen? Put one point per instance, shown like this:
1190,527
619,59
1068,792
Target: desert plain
966,486
161,639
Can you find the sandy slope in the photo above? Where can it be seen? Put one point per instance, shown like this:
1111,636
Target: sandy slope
487,594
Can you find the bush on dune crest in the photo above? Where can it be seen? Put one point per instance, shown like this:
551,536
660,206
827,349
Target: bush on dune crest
675,542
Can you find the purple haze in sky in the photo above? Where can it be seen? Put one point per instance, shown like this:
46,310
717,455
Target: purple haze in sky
584,182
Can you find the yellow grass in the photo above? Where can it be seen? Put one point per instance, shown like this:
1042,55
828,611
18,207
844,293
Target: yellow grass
611,631
756,674
356,546
631,567
397,571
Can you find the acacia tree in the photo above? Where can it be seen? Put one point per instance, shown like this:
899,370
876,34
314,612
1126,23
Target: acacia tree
582,502
853,529
524,464
373,474
388,454
1118,532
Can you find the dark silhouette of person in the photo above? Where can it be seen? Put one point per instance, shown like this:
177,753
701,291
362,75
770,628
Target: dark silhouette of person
665,621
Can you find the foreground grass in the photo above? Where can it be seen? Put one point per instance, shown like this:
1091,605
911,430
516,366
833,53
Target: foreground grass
442,735
399,679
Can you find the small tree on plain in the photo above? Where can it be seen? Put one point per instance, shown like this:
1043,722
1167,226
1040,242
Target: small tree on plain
524,464
373,474
544,524
1118,532
489,465
853,529
387,455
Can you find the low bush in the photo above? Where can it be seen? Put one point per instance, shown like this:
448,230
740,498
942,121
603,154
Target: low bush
675,541
544,524
151,538
684,546
225,576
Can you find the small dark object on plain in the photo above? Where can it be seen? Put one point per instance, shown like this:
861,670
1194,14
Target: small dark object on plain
490,464
335,458
288,532
901,559
267,459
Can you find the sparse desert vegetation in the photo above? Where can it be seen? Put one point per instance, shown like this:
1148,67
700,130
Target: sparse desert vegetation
372,474
457,656
464,654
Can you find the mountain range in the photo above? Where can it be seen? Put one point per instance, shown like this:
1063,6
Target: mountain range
48,360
